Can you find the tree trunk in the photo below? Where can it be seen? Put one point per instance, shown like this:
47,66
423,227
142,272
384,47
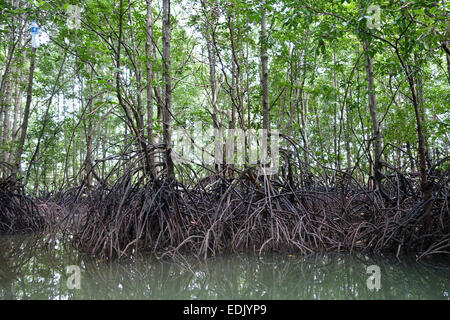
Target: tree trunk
336,147
265,86
7,123
421,102
26,115
17,107
304,120
374,117
424,183
148,49
89,134
264,69
167,92
210,23
447,55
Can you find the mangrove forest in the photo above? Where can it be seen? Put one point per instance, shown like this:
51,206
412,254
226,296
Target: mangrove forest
209,129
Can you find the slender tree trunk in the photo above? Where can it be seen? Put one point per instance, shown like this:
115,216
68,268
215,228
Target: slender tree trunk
210,23
148,50
304,103
335,107
424,183
265,84
138,111
447,56
5,100
448,67
89,133
234,94
347,134
213,84
18,107
374,117
26,115
264,69
7,123
6,74
421,102
167,80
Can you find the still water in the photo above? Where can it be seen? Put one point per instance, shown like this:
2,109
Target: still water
30,270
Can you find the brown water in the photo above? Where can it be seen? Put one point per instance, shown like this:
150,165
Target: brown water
29,270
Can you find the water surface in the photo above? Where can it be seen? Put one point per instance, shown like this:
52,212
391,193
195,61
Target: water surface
30,270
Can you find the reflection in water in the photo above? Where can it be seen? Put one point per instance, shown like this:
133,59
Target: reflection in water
30,269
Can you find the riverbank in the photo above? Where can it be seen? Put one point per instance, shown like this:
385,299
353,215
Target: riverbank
221,216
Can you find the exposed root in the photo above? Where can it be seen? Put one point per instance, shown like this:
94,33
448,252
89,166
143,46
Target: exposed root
220,215
18,213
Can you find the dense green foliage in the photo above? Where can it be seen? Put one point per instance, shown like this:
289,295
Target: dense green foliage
317,81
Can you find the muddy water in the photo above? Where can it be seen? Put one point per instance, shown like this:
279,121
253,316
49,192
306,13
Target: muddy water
30,270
